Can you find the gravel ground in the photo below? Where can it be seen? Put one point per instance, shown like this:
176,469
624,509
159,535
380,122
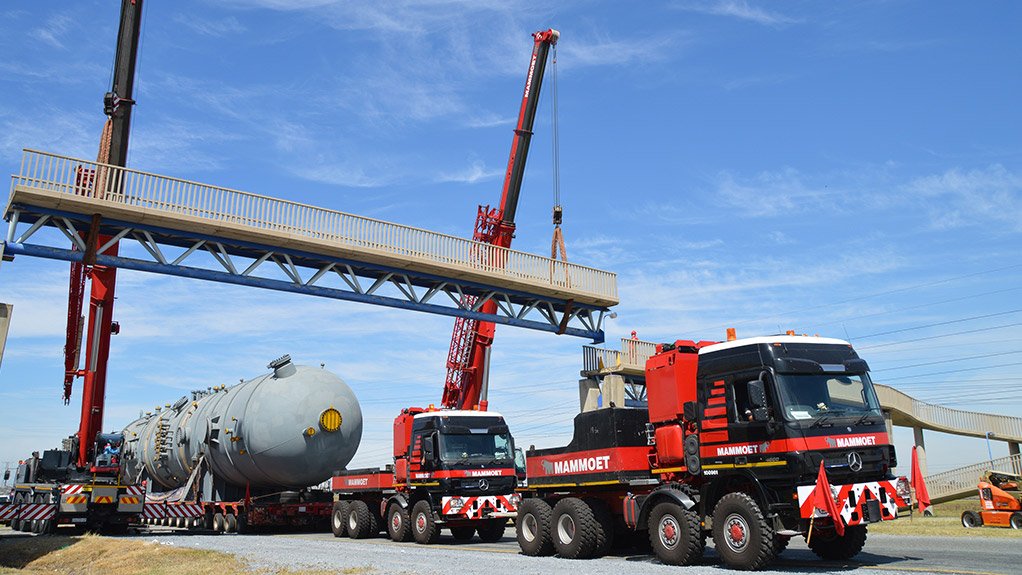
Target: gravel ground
883,555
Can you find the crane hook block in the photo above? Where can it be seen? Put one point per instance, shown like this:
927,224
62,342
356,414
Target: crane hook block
558,215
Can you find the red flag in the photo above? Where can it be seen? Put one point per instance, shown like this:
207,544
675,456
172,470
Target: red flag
922,496
823,500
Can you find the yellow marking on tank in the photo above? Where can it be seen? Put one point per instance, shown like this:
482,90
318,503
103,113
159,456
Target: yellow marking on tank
743,465
545,486
668,470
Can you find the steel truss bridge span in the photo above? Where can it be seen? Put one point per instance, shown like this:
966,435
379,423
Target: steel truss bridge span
276,244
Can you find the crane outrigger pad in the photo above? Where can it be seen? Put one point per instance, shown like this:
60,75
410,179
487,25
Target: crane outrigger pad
370,260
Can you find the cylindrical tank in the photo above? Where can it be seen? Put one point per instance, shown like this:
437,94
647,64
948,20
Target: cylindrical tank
291,428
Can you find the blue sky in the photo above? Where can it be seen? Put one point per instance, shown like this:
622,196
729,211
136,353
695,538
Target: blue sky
851,170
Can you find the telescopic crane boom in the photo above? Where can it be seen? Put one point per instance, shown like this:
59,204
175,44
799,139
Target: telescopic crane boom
471,340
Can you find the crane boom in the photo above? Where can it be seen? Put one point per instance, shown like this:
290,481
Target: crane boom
471,340
117,105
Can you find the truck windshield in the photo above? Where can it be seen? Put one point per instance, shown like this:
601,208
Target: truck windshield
476,447
808,396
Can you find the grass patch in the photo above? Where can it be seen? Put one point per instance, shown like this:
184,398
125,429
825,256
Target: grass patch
946,522
93,554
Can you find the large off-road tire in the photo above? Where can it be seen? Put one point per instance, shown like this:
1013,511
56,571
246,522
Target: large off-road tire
674,534
741,534
604,526
362,522
830,545
574,529
532,527
339,519
971,519
491,530
463,533
1016,520
230,523
398,523
425,531
242,524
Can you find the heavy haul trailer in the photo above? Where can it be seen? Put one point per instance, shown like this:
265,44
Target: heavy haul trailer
730,447
453,469
51,490
242,458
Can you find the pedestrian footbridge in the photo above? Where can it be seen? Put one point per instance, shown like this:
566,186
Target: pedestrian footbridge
265,242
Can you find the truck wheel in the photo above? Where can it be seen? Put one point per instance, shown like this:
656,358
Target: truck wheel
574,529
242,525
674,534
830,545
492,530
604,526
1016,520
362,523
463,533
218,522
399,523
971,519
424,529
230,523
741,535
532,527
207,520
339,518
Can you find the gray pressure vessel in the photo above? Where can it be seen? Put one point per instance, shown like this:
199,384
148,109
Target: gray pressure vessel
291,428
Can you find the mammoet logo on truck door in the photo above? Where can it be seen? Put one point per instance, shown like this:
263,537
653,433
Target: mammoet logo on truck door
578,465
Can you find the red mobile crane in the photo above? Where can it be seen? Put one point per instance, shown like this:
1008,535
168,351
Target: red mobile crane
454,467
467,361
81,483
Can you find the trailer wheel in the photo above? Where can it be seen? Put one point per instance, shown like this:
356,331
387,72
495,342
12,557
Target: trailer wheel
533,527
463,533
218,522
741,535
230,523
492,530
574,529
339,518
830,545
674,534
424,529
1016,520
971,519
399,523
362,523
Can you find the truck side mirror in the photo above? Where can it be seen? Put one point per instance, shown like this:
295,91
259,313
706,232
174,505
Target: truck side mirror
757,394
428,447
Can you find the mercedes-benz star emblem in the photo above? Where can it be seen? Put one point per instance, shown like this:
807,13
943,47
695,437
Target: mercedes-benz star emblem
855,461
484,484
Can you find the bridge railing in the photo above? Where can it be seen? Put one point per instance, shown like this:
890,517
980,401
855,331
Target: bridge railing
152,192
1002,427
956,482
631,357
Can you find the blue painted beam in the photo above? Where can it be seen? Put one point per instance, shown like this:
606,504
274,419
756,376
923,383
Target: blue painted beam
211,275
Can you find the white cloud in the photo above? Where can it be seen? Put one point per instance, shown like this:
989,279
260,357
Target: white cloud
990,196
740,9
53,30
207,27
477,172
614,52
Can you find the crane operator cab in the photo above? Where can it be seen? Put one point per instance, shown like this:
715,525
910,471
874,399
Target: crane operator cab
107,460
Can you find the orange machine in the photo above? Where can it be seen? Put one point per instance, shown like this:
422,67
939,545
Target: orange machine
1000,500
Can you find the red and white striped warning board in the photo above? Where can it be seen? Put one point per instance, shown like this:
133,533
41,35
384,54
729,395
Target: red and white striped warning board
136,490
161,510
72,489
27,511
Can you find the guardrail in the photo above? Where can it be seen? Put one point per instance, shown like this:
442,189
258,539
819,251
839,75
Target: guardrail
122,186
955,483
631,357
